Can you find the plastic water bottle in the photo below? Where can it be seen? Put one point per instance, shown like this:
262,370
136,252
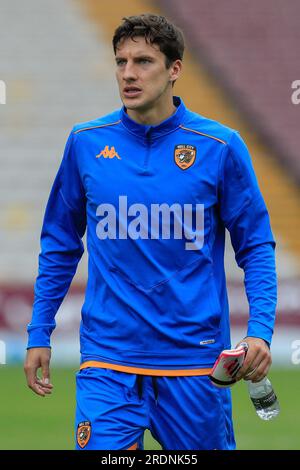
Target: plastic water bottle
264,399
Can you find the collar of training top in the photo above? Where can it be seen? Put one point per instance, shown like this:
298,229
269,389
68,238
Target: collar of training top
166,126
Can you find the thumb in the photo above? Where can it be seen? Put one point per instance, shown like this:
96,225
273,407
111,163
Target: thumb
243,343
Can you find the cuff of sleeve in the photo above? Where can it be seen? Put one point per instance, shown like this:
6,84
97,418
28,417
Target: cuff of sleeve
39,336
259,330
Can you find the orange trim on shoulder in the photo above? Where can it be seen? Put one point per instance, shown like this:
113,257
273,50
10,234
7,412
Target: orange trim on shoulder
134,447
138,370
97,127
206,135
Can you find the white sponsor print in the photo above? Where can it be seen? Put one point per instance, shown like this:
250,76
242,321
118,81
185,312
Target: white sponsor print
296,94
160,218
2,92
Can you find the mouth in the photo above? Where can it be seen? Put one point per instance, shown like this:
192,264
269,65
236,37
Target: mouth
131,91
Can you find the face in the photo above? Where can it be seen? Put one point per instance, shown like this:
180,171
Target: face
143,79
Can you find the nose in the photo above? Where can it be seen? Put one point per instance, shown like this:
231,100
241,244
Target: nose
129,72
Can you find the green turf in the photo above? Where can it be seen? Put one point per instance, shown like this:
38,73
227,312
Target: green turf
32,422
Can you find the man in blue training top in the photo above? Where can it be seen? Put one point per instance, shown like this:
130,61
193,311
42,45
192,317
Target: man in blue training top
155,184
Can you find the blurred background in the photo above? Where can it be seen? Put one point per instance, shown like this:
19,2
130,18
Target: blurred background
57,66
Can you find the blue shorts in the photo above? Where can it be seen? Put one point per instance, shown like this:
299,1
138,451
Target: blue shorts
187,413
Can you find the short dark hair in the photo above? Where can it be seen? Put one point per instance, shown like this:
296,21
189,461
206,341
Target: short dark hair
156,30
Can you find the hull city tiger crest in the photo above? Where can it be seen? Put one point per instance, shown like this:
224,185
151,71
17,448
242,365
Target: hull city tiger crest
83,433
184,155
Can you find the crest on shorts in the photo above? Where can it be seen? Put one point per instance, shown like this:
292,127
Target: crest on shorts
83,433
184,155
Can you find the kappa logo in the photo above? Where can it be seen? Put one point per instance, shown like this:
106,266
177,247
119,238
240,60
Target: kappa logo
83,433
108,153
184,155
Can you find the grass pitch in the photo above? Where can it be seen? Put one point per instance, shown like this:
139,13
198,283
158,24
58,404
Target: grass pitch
32,422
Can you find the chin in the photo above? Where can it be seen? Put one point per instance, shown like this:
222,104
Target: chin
137,105
132,104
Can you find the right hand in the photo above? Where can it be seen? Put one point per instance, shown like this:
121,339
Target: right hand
38,358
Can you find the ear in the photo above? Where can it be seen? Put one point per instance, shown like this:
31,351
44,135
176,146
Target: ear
175,70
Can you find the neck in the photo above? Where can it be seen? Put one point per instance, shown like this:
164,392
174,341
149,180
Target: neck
153,115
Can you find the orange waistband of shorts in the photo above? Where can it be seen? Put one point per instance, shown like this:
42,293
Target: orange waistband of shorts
138,370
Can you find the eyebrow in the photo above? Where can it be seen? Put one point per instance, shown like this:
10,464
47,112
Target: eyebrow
142,56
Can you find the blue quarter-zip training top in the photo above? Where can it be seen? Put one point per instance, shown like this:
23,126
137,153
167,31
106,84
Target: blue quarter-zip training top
156,297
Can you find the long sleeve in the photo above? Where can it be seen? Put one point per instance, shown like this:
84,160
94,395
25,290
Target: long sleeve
245,215
61,246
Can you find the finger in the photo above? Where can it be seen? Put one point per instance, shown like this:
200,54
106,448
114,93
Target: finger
254,364
249,374
46,391
248,366
261,366
252,370
44,384
45,373
30,373
46,388
261,371
39,388
36,388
